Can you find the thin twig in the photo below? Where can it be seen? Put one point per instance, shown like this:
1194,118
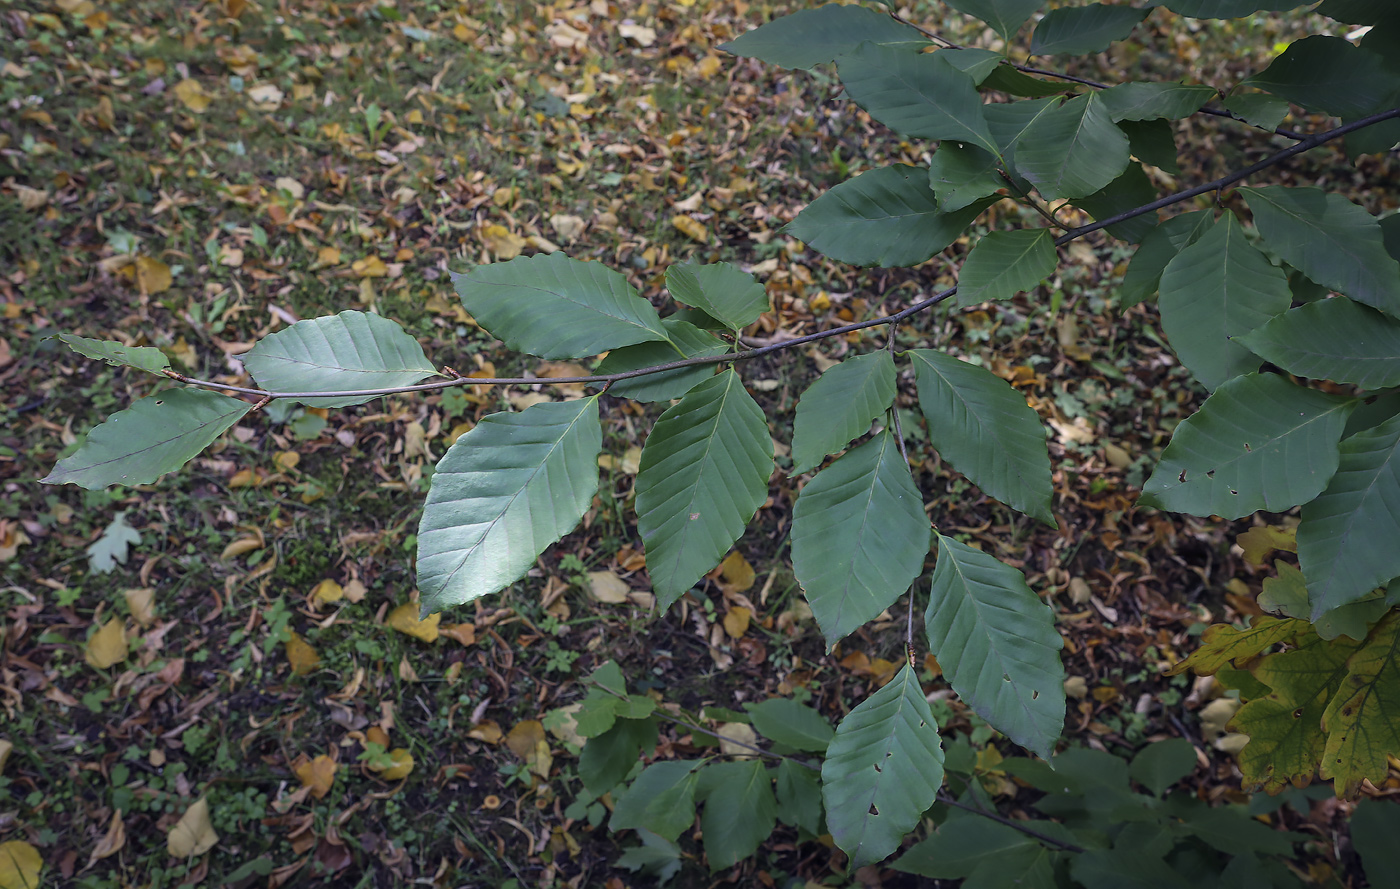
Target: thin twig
1010,822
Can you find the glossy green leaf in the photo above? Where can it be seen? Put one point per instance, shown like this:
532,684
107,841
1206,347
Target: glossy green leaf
859,535
1258,442
720,290
884,217
607,758
661,800
1157,250
504,491
1362,719
959,174
1160,765
685,341
556,307
997,644
1149,101
704,473
882,770
1131,190
1331,240
157,434
1257,109
986,430
1003,264
147,358
1073,150
1082,30
787,722
1346,538
1332,75
799,795
840,406
916,94
1332,339
975,63
1005,16
1218,288
338,353
740,811
811,37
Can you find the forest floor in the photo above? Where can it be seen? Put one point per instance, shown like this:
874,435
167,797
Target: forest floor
195,176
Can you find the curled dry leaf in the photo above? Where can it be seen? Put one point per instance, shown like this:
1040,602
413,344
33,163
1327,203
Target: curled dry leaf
405,619
464,633
194,833
107,646
111,843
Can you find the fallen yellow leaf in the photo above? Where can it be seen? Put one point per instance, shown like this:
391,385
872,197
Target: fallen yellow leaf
354,591
403,764
152,275
405,619
502,242
691,227
465,633
301,655
737,740
193,834
736,621
487,730
107,646
193,95
326,592
608,587
527,741
286,460
318,774
142,605
737,573
20,865
370,267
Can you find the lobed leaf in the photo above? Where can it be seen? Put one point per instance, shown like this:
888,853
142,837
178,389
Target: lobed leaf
840,406
1002,264
1222,643
1082,30
720,290
157,434
811,37
502,493
1362,719
1073,150
1332,339
147,358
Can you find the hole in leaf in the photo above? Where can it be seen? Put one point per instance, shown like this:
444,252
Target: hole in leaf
873,810
1005,677
878,769
1297,713
1210,474
1035,695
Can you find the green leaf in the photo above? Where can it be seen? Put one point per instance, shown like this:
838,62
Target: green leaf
1158,766
1258,109
1362,719
1359,12
886,217
1223,643
740,811
1331,240
1288,594
1081,30
997,644
1008,79
158,434
960,845
1131,190
1009,121
338,353
607,758
556,307
657,857
859,535
1259,442
960,174
1332,339
661,800
110,550
1345,540
975,63
1073,150
145,358
785,721
812,37
840,406
502,493
704,473
986,430
1218,288
1116,868
1374,827
1149,101
799,796
882,770
1152,142
1330,74
1228,9
1002,264
1157,249
916,94
720,290
685,340
1005,16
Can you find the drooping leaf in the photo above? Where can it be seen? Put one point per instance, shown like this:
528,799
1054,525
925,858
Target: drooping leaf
110,550
811,37
986,430
791,724
685,341
859,535
1005,16
884,217
1149,101
1157,250
1332,339
840,406
338,353
1008,122
1004,263
145,358
1331,240
1073,150
1152,142
1362,719
1129,191
158,434
1223,643
661,800
997,644
916,94
882,770
1332,75
720,290
1257,109
607,758
1218,288
556,307
740,811
704,473
1082,30
1344,539
503,492
1160,765
960,174
985,853
799,796
1259,442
